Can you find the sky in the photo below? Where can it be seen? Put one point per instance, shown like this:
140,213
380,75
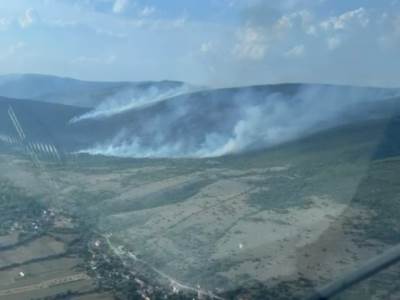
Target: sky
205,42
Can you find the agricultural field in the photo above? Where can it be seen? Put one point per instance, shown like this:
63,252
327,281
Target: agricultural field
37,255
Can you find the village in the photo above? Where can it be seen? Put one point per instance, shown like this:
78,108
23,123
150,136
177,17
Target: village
48,254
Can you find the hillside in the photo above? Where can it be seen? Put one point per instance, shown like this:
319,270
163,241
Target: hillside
42,122
70,91
200,124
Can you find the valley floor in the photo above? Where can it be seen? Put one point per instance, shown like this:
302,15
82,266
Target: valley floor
277,223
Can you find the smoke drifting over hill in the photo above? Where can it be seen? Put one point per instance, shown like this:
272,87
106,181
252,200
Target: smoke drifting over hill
220,122
129,99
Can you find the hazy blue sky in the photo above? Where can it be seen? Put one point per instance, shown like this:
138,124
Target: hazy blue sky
211,42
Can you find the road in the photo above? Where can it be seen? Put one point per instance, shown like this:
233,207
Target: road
175,284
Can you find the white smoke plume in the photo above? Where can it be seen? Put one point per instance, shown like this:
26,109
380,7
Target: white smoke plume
251,124
131,99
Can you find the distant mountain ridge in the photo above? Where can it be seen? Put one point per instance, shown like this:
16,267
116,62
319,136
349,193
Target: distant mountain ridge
71,91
